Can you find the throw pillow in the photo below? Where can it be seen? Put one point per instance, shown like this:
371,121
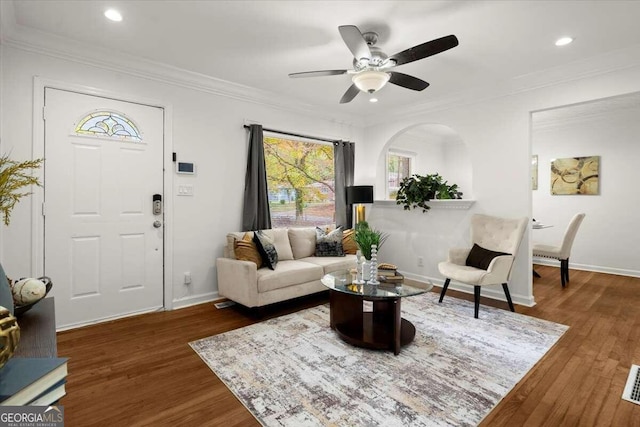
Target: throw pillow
266,248
480,257
246,250
348,243
329,244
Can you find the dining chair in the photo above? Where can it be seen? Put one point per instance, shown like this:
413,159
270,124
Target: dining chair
489,262
562,252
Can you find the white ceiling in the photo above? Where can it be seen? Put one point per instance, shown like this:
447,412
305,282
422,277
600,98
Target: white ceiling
257,43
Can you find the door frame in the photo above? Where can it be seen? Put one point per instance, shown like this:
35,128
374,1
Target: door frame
37,219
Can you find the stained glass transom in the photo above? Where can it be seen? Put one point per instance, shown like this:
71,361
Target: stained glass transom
108,123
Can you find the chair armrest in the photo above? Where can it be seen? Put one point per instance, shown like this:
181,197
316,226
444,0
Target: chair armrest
238,281
458,255
500,267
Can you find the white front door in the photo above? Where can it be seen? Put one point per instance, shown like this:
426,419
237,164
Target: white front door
103,246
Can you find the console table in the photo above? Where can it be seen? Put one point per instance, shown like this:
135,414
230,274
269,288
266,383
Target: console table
38,331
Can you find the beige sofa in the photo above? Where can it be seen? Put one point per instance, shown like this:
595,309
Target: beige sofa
297,273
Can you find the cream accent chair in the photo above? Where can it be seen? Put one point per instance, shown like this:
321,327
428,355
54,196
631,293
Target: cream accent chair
492,233
562,252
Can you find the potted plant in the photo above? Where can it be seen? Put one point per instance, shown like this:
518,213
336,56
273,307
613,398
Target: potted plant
365,236
415,191
13,177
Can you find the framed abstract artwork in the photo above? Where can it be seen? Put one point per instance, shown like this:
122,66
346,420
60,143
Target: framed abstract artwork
575,175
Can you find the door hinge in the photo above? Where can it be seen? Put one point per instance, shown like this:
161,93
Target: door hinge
44,210
44,113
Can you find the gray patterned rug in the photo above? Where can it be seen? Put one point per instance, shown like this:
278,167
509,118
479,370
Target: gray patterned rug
295,371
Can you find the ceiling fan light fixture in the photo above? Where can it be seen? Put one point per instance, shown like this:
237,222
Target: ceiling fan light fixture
370,81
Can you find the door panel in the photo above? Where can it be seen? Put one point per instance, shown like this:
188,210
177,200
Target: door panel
101,249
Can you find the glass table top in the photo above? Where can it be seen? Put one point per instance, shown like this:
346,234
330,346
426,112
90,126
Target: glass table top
341,281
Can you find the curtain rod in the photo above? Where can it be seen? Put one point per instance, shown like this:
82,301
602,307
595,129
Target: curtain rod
333,141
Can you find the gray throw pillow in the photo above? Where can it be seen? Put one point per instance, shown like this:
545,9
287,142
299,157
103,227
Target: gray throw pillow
266,248
329,244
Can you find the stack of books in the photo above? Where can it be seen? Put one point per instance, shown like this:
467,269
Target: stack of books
389,273
33,381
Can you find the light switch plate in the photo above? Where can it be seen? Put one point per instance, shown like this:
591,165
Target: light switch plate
185,190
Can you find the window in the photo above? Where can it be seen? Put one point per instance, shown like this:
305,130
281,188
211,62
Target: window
301,182
399,166
110,124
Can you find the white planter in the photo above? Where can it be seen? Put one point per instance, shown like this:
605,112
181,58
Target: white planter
366,270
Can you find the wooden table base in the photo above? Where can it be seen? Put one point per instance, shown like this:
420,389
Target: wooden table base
382,329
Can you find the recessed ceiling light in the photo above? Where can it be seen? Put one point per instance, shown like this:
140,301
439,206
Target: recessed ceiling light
563,41
113,15
373,100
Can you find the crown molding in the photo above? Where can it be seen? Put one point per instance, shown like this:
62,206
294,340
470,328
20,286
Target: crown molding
34,41
585,112
609,62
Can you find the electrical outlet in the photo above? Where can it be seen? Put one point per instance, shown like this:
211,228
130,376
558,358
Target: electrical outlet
420,261
187,278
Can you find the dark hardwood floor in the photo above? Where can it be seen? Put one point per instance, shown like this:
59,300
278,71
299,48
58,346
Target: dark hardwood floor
140,371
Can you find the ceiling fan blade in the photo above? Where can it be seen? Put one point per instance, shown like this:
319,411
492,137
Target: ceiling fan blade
354,41
318,73
349,94
425,49
407,81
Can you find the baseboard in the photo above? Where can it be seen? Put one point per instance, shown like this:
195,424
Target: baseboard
586,267
107,319
488,292
195,300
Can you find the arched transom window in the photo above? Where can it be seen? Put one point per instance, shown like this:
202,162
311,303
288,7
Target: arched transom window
109,124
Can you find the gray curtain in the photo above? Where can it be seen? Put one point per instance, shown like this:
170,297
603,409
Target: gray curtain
256,214
343,158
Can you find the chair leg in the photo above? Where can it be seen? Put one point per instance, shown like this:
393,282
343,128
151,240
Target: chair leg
476,295
566,269
508,295
444,289
562,275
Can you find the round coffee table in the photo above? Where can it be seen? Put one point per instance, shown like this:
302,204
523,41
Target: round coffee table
381,329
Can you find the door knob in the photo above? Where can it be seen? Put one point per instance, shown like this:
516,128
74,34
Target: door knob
157,224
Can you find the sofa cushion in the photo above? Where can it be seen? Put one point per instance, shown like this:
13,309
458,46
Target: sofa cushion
266,248
288,273
331,264
229,248
246,250
329,244
348,243
281,242
303,242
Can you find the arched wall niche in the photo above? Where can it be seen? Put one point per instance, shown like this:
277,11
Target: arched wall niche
435,148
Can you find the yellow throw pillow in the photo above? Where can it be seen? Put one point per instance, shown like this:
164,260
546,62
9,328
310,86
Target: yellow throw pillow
348,244
246,250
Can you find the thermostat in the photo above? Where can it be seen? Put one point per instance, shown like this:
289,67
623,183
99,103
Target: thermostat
186,168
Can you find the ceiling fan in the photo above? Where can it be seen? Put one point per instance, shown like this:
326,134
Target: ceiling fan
371,65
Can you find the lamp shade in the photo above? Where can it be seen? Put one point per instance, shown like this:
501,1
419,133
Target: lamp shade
370,81
359,194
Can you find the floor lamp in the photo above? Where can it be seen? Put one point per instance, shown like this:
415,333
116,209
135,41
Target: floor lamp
357,195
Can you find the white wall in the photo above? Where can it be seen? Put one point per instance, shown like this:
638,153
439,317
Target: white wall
207,129
437,149
497,134
610,129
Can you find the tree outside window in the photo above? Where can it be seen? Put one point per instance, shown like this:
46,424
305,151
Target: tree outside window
398,167
301,182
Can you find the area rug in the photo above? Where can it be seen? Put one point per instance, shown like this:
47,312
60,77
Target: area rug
295,371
